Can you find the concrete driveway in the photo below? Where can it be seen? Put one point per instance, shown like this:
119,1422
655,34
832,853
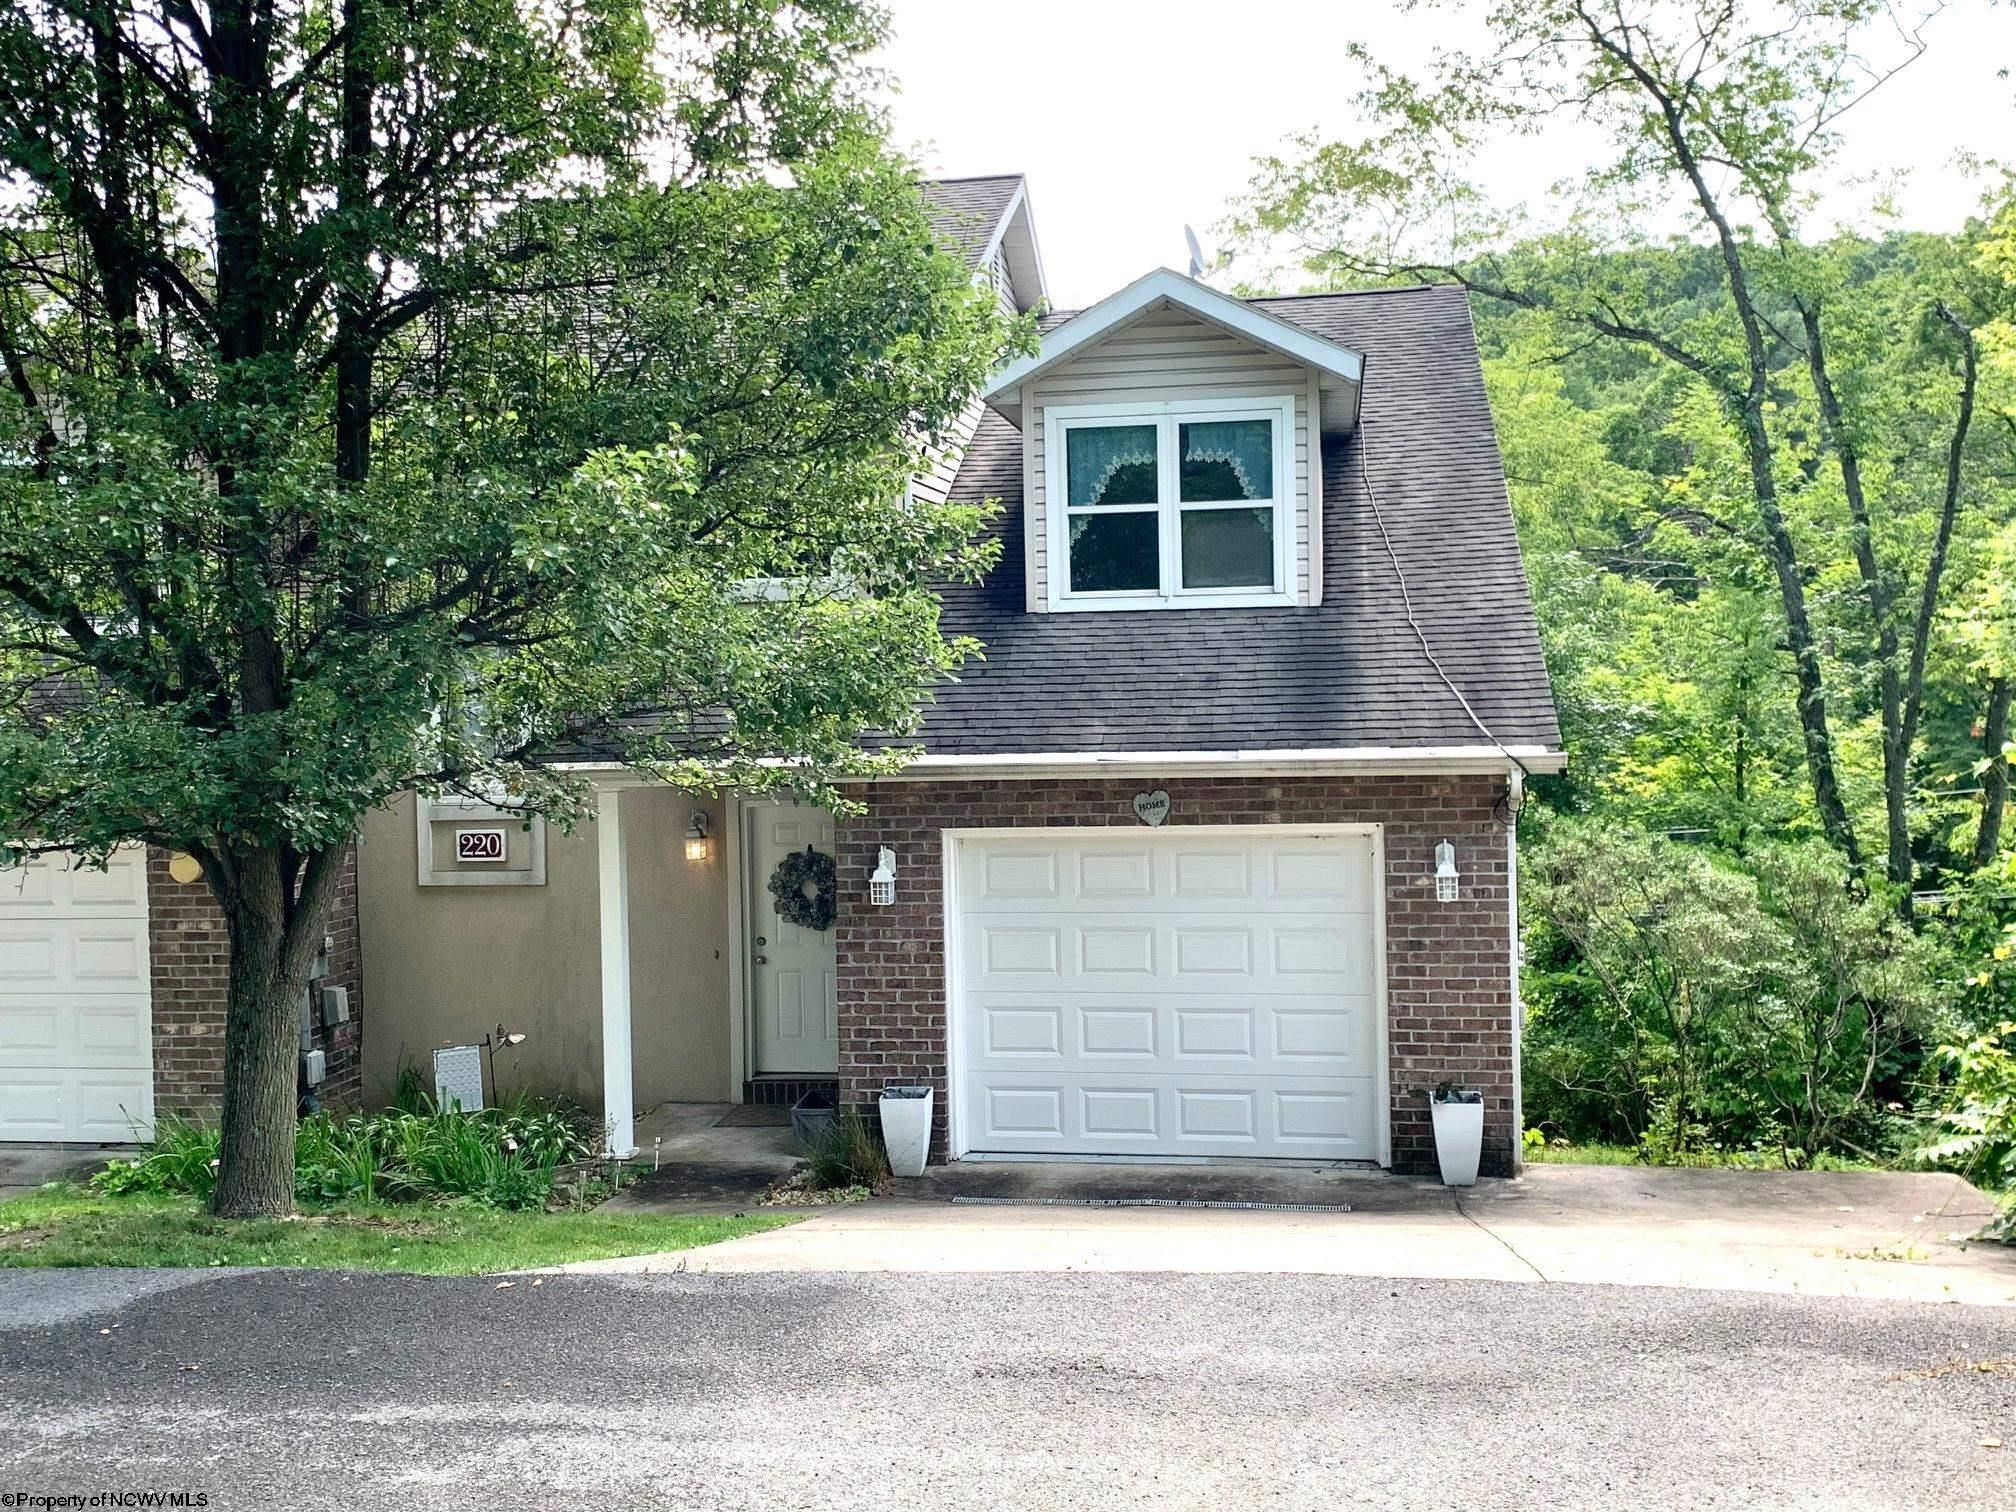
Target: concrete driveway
1890,1235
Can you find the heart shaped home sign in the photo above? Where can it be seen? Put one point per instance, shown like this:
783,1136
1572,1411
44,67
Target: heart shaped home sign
1152,808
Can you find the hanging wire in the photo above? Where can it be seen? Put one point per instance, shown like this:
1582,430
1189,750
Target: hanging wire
1407,602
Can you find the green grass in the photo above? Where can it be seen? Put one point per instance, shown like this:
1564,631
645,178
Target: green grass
64,1225
1735,1160
1585,1154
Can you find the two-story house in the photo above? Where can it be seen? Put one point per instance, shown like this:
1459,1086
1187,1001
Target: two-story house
1211,855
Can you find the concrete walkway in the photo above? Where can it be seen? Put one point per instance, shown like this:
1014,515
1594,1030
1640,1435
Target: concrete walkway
1888,1235
705,1166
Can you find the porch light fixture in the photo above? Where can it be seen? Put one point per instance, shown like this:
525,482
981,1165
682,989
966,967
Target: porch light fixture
882,881
697,842
1445,873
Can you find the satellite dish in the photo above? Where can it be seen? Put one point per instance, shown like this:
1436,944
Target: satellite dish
1196,253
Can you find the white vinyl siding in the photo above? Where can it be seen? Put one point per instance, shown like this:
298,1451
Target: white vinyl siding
1003,284
934,482
1169,356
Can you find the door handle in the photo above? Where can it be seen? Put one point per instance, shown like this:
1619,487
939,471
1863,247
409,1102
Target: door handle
762,960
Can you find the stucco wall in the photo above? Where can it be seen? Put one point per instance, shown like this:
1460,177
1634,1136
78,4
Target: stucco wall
447,964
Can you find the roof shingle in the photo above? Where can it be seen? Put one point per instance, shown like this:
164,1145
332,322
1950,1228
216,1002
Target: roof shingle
965,211
1347,673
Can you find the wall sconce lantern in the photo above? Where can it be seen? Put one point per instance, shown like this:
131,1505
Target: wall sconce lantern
1446,879
697,843
185,868
882,881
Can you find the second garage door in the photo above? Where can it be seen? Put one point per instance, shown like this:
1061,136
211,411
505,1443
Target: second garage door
1173,992
76,1053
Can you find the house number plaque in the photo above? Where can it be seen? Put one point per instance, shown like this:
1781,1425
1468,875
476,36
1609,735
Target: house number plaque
479,845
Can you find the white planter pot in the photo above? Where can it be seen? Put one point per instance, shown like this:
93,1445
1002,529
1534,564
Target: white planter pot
1459,1141
906,1128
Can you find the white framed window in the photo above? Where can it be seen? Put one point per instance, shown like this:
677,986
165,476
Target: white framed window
1184,504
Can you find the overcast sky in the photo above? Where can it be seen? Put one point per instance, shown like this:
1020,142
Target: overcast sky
1131,118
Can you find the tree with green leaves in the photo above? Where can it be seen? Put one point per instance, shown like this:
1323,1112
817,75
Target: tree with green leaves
1850,416
397,393
1679,1001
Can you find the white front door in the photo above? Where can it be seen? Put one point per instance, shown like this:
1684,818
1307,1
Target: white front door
797,1030
76,1045
1183,992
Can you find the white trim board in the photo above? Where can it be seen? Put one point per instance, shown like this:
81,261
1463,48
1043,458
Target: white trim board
1339,363
1344,761
1311,761
1018,205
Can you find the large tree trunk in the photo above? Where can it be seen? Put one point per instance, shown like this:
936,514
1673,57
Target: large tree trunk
275,928
262,1030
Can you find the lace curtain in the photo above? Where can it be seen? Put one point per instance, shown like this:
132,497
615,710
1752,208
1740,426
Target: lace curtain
1244,447
1100,456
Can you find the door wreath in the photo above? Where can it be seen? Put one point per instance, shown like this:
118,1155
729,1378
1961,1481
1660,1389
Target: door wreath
796,872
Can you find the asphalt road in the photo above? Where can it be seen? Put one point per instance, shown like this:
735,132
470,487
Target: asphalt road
1005,1391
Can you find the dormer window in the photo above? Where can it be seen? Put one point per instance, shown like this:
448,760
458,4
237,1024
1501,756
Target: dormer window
1172,504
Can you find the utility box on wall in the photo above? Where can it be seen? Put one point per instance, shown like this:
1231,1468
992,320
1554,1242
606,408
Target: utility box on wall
335,1006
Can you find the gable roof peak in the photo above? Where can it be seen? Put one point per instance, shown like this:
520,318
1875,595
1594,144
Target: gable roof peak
988,215
1339,368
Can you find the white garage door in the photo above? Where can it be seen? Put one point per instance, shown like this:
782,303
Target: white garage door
76,1052
1173,992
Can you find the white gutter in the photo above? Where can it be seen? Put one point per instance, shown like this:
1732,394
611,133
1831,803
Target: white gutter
1311,761
1308,761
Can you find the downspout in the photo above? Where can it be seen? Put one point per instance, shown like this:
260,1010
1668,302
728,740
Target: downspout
1515,779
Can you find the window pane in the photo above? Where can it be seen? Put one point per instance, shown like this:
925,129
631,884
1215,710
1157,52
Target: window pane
1111,464
1228,548
1112,553
1227,460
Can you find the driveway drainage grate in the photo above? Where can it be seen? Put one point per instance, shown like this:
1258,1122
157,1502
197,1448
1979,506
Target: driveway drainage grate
1154,1202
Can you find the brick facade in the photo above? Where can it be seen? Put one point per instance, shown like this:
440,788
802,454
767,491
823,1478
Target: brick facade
190,959
1448,965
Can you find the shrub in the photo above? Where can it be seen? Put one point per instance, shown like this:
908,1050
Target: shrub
181,1158
502,1157
335,1160
1693,1005
849,1155
1977,1127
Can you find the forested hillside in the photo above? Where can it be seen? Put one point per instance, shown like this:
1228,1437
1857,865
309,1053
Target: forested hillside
1764,467
1706,968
